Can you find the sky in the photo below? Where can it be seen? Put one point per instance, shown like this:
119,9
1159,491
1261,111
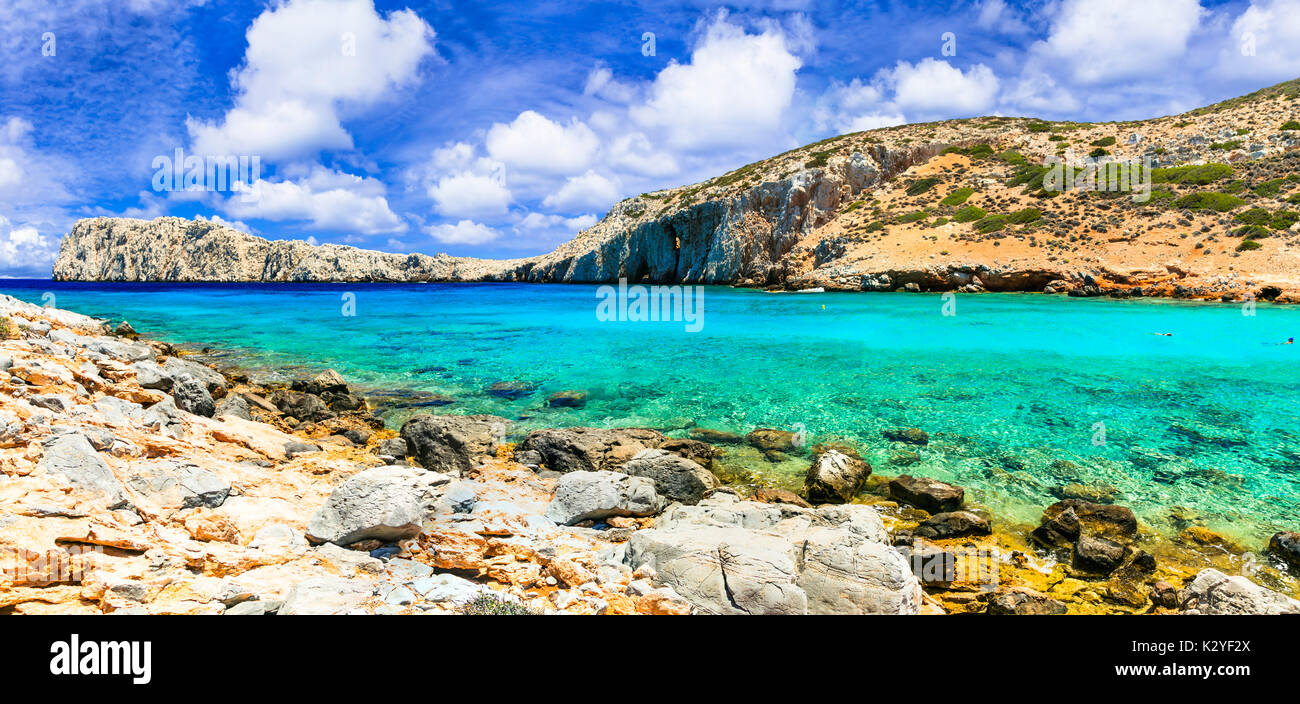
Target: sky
503,129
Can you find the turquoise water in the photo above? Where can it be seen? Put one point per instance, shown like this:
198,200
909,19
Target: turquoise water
1010,388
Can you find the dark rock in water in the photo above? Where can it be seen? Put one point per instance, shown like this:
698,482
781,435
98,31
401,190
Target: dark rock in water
1286,545
953,524
1021,601
1098,519
930,563
512,390
780,496
567,399
1101,494
1058,531
929,494
915,436
1097,554
772,439
1164,594
716,437
590,449
775,456
452,443
675,478
125,330
343,401
701,453
834,477
234,405
191,395
841,447
300,405
298,448
328,381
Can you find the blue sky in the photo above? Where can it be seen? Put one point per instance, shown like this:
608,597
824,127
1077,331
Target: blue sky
501,130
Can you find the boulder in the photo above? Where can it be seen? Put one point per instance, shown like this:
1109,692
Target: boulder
303,406
675,478
452,443
182,486
834,477
392,447
328,381
953,524
326,596
124,329
1106,520
701,453
191,395
297,447
383,503
72,456
1097,554
1286,545
343,401
769,495
151,376
726,556
1022,601
929,494
233,405
590,449
1215,593
583,496
175,367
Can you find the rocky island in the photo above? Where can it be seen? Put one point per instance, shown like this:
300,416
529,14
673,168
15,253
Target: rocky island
942,206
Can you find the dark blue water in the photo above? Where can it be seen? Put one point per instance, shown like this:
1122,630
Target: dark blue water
1020,393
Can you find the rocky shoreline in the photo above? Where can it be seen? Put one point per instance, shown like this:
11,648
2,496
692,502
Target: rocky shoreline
134,479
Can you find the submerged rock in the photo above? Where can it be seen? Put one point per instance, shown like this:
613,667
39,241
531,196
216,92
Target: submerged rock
953,524
512,390
768,439
567,399
590,449
716,437
914,436
1286,546
834,477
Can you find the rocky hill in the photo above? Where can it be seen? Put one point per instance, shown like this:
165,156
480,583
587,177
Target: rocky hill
953,205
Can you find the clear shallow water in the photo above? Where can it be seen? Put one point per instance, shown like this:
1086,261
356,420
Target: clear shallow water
1010,388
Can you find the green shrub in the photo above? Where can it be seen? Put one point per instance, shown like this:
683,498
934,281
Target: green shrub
940,221
913,217
1291,125
1098,152
1226,146
1252,232
1200,175
1038,127
922,185
1056,138
1294,199
876,226
1104,142
491,605
1254,216
853,206
1283,219
958,196
1161,195
1028,215
1234,186
1247,245
1271,188
1012,156
1209,200
970,213
992,223
979,150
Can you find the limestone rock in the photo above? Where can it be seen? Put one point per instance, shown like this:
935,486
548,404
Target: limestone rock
675,478
384,503
582,496
834,477
452,443
589,449
1215,593
72,456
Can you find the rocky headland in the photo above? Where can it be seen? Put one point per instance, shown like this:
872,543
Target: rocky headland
944,206
134,478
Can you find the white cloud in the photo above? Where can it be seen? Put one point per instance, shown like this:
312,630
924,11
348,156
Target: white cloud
463,232
853,107
233,224
465,185
585,192
1272,29
931,88
1094,41
24,249
534,143
327,200
307,63
735,90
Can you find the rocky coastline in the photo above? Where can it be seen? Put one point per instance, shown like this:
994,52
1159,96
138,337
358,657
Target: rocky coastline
135,479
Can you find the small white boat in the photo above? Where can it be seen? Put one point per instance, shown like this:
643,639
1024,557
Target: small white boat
819,289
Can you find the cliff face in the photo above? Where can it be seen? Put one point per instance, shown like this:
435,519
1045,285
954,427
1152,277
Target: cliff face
954,205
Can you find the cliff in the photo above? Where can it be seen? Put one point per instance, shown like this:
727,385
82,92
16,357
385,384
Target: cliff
954,205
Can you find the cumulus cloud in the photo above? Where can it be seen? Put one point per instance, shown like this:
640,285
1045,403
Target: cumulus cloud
534,143
324,199
932,87
853,107
734,91
307,63
588,191
463,232
1094,41
1264,41
24,250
